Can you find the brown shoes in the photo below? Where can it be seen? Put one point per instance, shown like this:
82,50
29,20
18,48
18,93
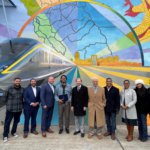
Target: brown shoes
35,132
44,134
99,137
113,137
107,134
90,136
50,130
25,135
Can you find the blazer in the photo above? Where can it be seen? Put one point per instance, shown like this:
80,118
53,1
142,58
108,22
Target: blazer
47,96
112,99
29,97
79,100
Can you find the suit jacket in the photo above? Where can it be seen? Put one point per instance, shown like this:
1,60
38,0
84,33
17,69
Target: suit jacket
47,95
79,100
112,99
29,97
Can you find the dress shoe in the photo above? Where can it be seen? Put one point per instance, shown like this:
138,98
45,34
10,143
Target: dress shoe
34,132
82,135
113,137
60,131
107,134
76,132
99,137
50,130
25,135
90,136
67,131
44,134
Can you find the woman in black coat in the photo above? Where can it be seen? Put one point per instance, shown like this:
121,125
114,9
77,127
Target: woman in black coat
142,107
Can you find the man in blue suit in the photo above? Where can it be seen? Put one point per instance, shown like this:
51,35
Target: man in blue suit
47,100
31,106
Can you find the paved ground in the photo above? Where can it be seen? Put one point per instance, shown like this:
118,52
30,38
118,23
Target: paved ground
71,142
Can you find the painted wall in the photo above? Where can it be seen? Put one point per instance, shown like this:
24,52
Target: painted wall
103,38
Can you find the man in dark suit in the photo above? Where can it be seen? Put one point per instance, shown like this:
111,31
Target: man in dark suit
47,100
79,105
31,106
112,107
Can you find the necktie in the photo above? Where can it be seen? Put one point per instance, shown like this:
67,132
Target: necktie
78,88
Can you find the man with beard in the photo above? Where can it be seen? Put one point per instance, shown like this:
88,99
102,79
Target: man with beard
14,105
31,106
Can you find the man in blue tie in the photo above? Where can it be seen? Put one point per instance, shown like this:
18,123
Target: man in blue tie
47,100
31,106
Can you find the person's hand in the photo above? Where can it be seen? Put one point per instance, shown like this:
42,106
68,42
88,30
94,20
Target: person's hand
123,106
33,104
126,107
84,108
45,107
60,101
72,108
37,103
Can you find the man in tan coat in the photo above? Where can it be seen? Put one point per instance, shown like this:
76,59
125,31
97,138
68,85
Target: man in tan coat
96,104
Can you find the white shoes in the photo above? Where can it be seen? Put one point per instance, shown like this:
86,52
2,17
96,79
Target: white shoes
5,139
15,135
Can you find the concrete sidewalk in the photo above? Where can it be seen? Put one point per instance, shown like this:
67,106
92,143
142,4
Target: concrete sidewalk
72,142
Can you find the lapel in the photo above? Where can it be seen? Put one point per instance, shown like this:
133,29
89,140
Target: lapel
79,90
32,91
92,89
50,88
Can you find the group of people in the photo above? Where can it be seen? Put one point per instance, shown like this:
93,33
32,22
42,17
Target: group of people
103,104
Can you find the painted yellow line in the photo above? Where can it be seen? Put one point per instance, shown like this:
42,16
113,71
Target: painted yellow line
19,60
123,75
142,69
102,81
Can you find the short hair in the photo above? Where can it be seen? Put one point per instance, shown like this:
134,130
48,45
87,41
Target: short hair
32,79
108,79
50,76
126,80
79,79
17,78
94,78
63,76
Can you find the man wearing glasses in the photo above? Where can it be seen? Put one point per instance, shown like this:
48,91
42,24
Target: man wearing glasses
63,96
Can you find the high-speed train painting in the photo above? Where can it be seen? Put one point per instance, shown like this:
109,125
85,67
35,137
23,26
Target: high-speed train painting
28,58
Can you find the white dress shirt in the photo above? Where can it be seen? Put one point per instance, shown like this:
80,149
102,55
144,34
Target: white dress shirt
34,90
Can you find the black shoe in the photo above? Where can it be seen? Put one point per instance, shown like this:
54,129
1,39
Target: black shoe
60,131
67,131
76,132
82,135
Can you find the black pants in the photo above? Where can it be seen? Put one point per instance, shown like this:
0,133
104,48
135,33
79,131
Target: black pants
8,119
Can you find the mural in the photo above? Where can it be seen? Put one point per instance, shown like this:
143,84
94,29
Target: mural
90,38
